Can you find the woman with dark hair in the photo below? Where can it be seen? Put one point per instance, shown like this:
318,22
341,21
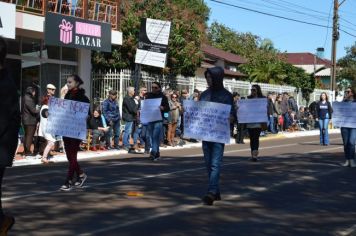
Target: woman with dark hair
254,129
98,126
29,118
349,134
71,145
323,115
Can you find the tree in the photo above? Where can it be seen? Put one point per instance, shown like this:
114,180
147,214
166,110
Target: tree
188,25
347,64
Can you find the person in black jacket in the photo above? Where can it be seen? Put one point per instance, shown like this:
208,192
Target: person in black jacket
71,145
129,115
155,127
29,118
323,116
98,126
10,120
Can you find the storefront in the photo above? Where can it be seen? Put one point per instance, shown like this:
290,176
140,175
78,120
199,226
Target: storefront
33,60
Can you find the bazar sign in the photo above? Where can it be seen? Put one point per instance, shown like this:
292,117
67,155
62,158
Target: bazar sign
7,20
73,32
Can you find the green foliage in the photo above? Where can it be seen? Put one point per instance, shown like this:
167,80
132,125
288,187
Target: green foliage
348,66
188,24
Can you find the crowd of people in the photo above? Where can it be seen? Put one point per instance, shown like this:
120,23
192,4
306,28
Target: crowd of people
104,124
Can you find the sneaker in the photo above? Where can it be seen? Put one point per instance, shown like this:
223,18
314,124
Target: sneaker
352,163
67,186
347,163
209,199
6,225
80,180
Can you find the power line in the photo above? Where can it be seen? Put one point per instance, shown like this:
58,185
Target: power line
269,14
327,30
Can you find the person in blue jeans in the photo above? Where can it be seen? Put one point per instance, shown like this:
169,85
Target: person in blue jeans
349,134
155,128
213,151
129,115
323,116
111,113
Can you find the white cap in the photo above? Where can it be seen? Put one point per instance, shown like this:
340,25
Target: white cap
51,86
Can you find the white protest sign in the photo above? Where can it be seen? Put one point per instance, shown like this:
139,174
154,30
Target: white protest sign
67,118
208,121
252,111
150,110
344,114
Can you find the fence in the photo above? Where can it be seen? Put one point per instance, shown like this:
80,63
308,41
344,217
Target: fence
103,82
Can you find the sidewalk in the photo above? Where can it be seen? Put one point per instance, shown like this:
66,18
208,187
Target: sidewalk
84,155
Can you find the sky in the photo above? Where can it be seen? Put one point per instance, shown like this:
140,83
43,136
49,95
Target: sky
288,35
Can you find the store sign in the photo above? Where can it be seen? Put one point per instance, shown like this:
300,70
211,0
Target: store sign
73,32
7,20
153,42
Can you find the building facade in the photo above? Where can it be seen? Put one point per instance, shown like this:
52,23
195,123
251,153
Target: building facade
35,61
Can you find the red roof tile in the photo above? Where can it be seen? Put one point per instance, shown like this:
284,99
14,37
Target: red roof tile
304,58
227,56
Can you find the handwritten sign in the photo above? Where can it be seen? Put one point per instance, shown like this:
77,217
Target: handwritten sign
150,110
344,114
208,121
67,118
252,111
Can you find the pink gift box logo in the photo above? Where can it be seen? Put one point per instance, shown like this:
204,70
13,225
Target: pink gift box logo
65,32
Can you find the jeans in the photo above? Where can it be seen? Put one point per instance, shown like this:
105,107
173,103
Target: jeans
138,134
146,137
155,131
97,134
116,128
349,139
323,127
254,134
213,154
271,125
127,134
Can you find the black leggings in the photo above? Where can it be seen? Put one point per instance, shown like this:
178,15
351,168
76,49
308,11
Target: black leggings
254,134
29,133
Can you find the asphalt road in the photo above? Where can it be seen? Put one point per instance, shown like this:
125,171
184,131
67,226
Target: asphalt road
297,188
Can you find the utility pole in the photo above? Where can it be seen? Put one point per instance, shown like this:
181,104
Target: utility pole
335,38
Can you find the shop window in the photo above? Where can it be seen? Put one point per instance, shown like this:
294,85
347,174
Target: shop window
50,74
51,52
13,46
69,54
31,47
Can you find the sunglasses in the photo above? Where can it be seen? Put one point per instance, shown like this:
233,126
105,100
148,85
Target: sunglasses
348,91
174,97
52,89
155,87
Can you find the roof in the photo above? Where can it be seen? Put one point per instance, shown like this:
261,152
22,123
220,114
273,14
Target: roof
325,72
227,56
304,58
226,71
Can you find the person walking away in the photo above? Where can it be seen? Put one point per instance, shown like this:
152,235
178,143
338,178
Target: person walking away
155,127
50,139
29,118
111,112
271,110
10,121
129,114
254,129
213,151
349,134
323,115
71,145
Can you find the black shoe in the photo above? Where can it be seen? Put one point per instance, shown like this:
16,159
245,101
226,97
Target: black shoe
67,186
80,180
254,159
147,151
209,199
217,197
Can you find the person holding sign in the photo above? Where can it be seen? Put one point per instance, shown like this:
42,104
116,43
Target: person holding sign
254,129
323,115
155,127
214,151
71,145
10,121
349,134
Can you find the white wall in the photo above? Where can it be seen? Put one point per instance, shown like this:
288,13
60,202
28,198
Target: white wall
84,69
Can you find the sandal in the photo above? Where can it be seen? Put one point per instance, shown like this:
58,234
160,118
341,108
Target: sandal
44,161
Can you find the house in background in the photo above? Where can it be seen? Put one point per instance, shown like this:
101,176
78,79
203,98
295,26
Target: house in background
311,63
217,57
